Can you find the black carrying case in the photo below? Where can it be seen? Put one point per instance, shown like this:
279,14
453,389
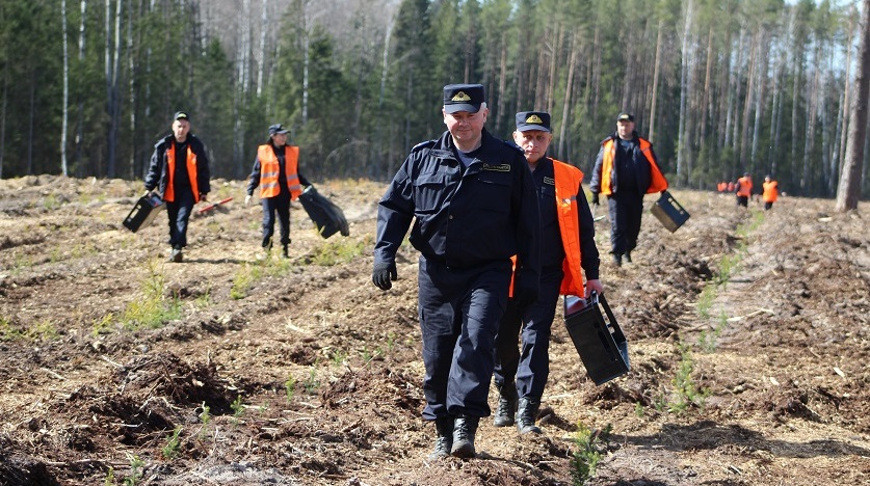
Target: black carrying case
669,212
328,217
143,213
597,337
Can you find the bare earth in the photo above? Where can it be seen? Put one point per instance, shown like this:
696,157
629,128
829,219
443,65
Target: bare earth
301,372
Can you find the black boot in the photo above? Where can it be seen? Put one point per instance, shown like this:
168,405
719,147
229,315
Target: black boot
285,252
617,259
526,415
628,257
444,429
464,428
507,405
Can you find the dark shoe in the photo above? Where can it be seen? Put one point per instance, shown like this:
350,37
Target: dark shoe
507,406
444,429
617,259
267,245
285,252
526,415
628,257
464,429
175,255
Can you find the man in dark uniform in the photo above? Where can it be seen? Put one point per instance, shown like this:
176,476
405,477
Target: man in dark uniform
626,168
472,200
179,170
567,246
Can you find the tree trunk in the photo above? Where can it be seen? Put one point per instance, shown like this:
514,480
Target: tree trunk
3,115
81,104
844,113
682,142
112,99
566,105
655,86
264,18
65,106
849,190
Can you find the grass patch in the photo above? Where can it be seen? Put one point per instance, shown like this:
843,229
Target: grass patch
173,445
338,251
42,331
154,308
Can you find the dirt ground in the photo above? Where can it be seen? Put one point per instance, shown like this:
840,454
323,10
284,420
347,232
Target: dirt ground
748,337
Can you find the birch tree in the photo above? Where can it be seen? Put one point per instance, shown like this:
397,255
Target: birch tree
849,189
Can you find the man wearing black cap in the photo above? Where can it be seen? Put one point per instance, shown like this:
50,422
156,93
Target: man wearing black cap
179,170
276,171
472,200
567,249
624,171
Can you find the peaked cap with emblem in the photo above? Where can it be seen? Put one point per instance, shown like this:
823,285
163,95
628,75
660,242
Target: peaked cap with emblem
533,120
463,97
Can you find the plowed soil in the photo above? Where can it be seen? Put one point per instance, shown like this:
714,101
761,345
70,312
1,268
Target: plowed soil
748,338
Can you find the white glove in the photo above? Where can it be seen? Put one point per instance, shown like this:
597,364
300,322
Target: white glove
247,200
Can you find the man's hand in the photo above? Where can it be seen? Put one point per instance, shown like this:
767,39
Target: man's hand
595,200
594,286
383,275
203,197
526,288
247,200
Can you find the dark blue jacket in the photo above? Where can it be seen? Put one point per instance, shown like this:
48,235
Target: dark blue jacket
158,170
464,218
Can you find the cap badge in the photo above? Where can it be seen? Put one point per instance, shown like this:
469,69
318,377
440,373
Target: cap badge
534,119
461,96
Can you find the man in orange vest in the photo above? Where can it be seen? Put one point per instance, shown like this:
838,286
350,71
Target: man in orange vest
744,189
567,246
770,193
179,171
626,168
276,172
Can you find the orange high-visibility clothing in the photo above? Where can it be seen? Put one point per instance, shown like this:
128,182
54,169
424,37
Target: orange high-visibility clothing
658,183
730,187
169,194
568,179
269,171
745,188
722,186
771,191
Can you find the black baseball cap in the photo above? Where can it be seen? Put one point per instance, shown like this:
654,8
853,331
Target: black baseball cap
181,115
276,129
533,120
625,116
463,97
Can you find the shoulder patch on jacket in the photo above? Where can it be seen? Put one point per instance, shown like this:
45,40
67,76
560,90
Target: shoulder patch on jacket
496,167
422,145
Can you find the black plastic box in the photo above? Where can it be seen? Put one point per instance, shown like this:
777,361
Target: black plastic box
143,213
669,212
597,337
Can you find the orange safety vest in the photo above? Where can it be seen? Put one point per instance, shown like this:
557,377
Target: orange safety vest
722,186
568,179
169,194
269,171
770,191
745,186
658,183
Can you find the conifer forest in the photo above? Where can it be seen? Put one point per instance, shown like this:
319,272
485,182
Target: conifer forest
720,87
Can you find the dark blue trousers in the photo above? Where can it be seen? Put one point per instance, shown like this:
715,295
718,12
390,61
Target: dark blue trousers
459,314
531,366
626,209
279,204
179,213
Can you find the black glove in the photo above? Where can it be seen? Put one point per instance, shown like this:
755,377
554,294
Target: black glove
595,200
526,288
383,274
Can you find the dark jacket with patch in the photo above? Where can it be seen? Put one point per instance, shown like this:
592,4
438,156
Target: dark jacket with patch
462,217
